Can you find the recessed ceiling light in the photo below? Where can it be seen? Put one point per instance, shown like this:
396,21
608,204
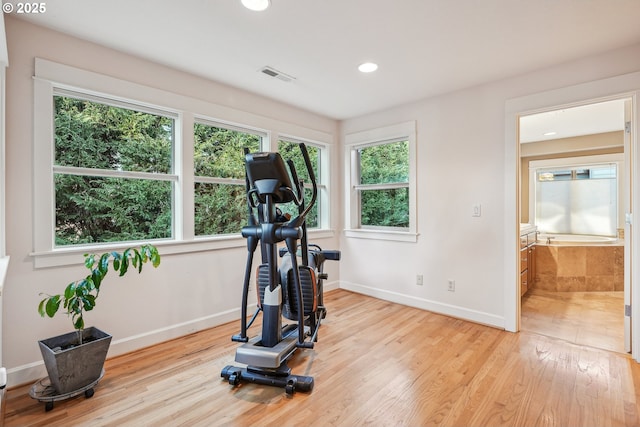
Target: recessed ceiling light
257,5
368,67
549,133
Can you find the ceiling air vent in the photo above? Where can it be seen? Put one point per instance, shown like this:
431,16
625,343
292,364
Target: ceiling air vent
272,72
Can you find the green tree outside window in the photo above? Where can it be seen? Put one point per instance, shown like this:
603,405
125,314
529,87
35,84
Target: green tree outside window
93,140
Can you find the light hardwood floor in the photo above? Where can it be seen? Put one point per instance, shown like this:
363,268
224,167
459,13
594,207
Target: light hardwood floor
587,318
377,363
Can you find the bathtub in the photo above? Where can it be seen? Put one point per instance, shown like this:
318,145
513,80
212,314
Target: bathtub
579,263
575,239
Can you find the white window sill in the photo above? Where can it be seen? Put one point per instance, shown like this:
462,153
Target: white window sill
398,236
75,255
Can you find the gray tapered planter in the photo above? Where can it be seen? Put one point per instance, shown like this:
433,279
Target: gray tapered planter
71,366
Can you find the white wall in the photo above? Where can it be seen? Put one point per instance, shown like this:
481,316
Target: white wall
461,161
189,291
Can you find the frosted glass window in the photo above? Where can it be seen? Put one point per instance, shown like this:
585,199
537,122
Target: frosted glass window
579,200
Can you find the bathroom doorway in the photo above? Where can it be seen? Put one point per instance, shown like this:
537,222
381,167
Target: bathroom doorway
575,187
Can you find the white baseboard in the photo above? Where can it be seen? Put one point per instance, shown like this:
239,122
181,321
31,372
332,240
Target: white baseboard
330,286
146,339
425,304
25,374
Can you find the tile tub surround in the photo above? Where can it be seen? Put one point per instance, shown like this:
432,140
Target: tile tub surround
580,268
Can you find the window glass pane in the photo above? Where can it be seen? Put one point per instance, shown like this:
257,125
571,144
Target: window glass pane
96,209
219,208
387,208
291,151
603,172
93,135
218,152
386,163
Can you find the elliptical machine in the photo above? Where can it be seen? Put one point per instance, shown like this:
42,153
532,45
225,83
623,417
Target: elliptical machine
293,289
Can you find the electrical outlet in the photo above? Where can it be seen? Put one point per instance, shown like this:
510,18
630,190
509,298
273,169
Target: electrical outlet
451,286
419,280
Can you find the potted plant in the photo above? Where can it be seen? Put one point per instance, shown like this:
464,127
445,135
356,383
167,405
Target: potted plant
75,360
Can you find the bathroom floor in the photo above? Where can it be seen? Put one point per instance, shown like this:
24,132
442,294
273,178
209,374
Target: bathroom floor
595,319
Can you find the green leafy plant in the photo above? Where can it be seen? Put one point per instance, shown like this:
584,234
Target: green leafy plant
80,296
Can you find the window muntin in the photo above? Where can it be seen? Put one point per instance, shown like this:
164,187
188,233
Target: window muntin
290,150
383,189
112,172
220,205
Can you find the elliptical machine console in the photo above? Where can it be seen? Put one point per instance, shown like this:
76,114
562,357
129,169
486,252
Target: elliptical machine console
292,289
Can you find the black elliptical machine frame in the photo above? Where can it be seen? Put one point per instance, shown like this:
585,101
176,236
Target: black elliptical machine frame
293,289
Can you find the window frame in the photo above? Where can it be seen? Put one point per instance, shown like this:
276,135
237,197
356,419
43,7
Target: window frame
45,167
49,74
353,143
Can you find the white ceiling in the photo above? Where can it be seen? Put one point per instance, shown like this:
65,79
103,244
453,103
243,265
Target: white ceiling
423,47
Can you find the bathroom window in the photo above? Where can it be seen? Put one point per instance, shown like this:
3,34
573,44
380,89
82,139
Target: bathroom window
382,195
289,150
220,200
576,198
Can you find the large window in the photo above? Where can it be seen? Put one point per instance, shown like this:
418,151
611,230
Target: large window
220,192
112,172
117,162
382,188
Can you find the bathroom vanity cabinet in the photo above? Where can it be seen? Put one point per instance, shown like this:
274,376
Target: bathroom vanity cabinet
528,238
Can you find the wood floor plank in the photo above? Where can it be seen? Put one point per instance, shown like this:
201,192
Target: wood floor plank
376,363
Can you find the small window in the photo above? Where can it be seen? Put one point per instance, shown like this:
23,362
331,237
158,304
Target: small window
112,172
382,201
220,190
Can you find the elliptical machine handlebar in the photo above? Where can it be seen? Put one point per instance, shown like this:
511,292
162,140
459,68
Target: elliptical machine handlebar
297,221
